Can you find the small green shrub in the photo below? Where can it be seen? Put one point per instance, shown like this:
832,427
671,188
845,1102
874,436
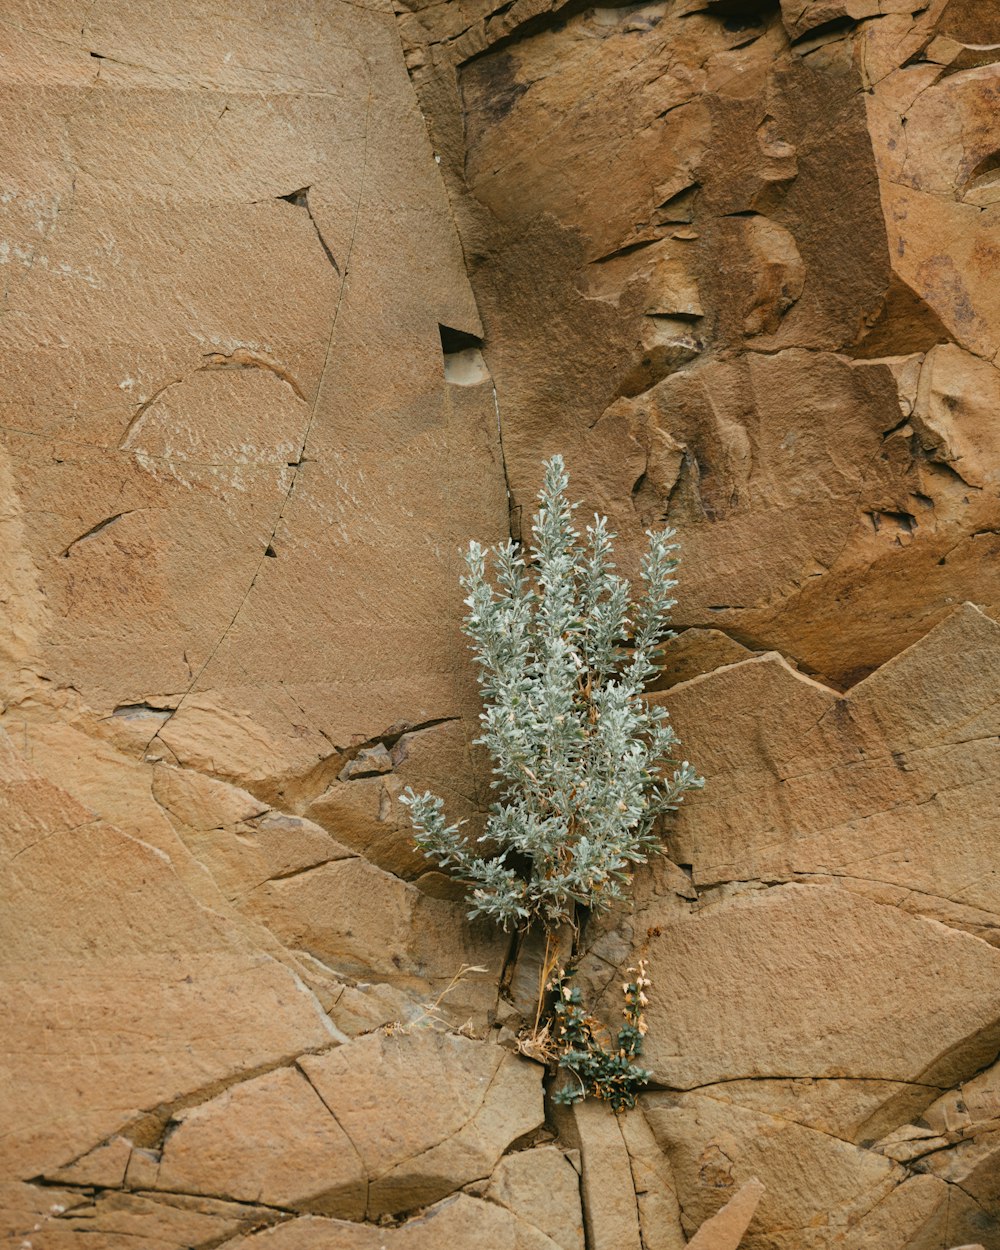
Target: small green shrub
605,1073
583,766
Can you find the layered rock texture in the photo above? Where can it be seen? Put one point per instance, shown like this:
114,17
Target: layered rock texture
295,299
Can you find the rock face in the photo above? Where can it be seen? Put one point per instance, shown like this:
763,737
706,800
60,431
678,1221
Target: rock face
736,257
295,299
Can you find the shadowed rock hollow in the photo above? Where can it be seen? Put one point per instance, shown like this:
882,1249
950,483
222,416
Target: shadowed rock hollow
295,299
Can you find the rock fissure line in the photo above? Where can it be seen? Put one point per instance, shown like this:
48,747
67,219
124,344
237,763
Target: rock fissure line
96,529
312,415
300,198
147,1130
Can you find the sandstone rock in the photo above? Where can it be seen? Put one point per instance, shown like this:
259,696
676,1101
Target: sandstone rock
205,736
216,865
780,275
143,1166
958,1139
975,1103
694,652
956,391
891,784
914,728
268,1140
117,1221
366,815
366,1006
24,1209
288,844
542,1188
364,812
126,1006
655,1191
201,802
920,1210
424,1148
103,1167
458,1222
736,262
909,1143
609,1201
271,847
398,935
370,762
811,1179
801,17
947,145
108,782
852,1109
788,1001
804,229
204,453
725,1229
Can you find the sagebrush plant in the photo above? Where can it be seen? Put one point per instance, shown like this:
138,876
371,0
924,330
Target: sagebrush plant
583,765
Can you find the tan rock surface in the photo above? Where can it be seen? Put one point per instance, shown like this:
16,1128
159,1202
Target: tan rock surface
710,242
797,774
694,652
890,789
426,1111
921,1210
609,1200
725,1229
104,1167
294,301
127,1003
957,1138
852,1109
367,923
194,437
233,314
269,1140
117,1221
542,1188
781,1006
812,1180
802,17
461,1222
26,1208
361,806
201,802
655,1189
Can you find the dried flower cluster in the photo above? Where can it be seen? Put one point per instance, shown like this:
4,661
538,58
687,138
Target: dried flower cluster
603,1072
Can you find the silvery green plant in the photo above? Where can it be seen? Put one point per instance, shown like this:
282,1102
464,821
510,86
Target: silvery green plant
583,765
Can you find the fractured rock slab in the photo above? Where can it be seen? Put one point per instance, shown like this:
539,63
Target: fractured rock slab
269,1140
811,1179
426,1112
725,1229
457,1222
891,789
609,1200
819,180
135,998
542,1188
223,465
785,1005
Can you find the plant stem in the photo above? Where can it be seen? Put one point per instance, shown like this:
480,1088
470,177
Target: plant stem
549,961
543,977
